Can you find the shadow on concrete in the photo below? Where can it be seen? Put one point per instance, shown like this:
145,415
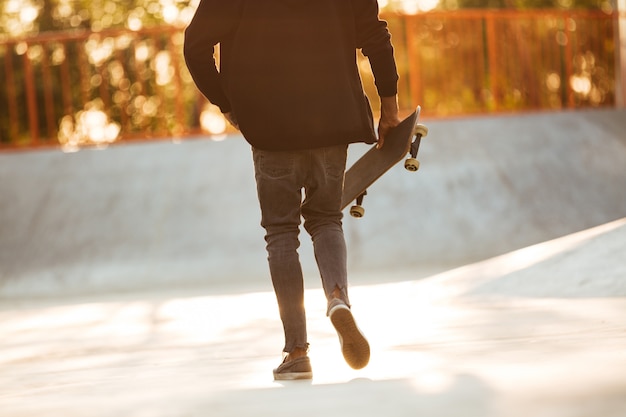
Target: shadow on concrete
398,398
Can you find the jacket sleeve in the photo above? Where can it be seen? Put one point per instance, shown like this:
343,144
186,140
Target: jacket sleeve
213,22
374,39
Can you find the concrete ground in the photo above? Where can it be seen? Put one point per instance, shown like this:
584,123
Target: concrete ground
117,299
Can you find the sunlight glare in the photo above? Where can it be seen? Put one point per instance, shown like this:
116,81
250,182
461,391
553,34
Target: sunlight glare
28,14
433,382
411,7
142,52
163,67
553,82
580,84
134,22
170,13
12,6
99,51
90,126
212,121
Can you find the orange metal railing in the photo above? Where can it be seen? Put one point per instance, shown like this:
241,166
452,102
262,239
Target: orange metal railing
85,88
495,61
117,83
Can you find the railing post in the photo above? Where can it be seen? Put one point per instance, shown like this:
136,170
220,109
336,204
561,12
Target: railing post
11,93
66,83
492,58
83,76
179,106
569,60
31,98
415,78
48,99
620,53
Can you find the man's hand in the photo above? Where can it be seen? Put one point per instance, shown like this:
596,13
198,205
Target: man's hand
230,116
388,118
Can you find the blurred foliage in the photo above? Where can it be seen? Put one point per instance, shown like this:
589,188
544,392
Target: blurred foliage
409,6
525,4
413,6
524,61
21,17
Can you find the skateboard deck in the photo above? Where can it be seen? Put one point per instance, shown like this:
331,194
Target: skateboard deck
375,162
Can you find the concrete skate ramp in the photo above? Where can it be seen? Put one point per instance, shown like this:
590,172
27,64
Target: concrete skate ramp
156,214
535,332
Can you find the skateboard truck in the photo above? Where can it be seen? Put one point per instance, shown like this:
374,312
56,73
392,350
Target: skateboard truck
402,140
357,210
412,164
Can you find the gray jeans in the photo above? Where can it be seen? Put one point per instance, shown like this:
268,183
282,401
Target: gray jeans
281,177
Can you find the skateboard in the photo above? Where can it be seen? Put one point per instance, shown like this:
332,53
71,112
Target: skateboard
402,140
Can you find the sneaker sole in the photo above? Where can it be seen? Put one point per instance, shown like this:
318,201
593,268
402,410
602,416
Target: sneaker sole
354,346
293,376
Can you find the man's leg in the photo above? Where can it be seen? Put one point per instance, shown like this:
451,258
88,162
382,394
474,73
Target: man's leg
280,198
322,213
322,219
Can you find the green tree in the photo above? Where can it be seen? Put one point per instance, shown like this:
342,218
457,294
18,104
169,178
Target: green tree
23,17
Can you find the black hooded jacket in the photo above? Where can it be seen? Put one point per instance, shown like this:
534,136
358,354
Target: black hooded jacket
288,68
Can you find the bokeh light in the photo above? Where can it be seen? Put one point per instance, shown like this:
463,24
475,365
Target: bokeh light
212,121
90,126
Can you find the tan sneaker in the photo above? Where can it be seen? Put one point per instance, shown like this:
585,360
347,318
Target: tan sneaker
354,345
299,368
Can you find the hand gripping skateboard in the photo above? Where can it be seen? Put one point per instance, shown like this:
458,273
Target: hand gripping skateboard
375,162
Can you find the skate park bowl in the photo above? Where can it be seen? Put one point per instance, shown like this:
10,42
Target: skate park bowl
491,283
174,214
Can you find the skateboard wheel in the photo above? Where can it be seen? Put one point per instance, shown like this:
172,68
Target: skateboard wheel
357,211
420,129
412,164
